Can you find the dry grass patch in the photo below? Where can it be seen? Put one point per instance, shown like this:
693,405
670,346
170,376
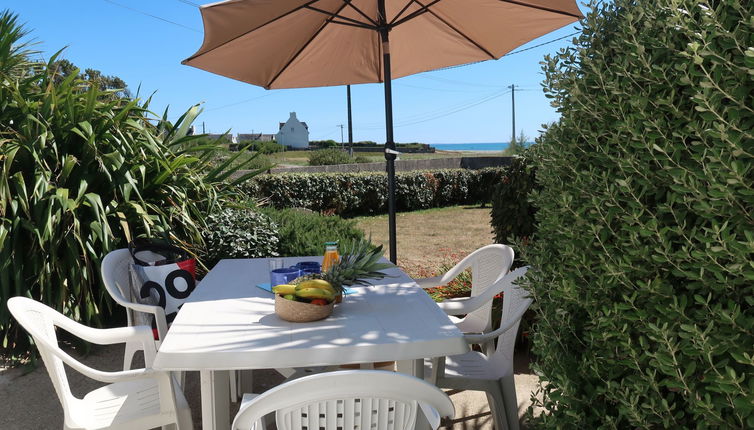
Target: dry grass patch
430,238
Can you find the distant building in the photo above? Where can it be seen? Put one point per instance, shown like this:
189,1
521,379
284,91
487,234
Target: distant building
293,133
215,136
261,137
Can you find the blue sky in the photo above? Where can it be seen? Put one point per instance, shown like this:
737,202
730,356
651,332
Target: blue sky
119,37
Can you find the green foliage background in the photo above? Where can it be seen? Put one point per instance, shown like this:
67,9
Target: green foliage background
354,194
81,170
644,253
329,157
512,215
302,232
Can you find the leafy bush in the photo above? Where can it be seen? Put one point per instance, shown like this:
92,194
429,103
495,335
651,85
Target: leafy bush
361,159
512,215
303,232
328,157
324,143
239,233
644,248
353,194
82,170
267,147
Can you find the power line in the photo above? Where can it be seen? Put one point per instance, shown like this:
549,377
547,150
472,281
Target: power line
455,111
238,103
190,3
510,53
542,44
440,113
151,16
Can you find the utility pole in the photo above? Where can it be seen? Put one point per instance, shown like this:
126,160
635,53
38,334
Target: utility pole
341,135
203,132
350,122
513,112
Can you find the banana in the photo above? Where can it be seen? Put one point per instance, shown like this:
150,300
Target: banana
284,289
316,283
315,293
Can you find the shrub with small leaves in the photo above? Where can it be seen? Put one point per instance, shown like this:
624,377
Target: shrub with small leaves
330,156
303,232
643,280
239,233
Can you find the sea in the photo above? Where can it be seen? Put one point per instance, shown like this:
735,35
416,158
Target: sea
489,146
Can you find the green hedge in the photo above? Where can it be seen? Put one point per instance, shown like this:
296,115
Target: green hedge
353,194
302,232
644,278
512,215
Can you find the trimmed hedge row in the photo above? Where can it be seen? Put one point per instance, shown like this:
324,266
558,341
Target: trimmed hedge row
353,194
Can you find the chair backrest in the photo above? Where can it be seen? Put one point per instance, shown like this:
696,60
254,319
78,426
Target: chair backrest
516,301
116,277
348,400
40,321
488,264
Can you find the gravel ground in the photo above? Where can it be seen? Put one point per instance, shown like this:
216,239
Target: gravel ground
28,400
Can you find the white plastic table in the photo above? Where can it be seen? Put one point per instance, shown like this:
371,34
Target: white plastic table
230,324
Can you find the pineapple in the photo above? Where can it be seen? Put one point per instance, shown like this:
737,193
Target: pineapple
357,264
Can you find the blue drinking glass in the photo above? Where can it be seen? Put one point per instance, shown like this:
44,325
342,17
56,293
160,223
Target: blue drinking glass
309,267
284,275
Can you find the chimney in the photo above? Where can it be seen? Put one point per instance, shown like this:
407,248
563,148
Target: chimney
293,115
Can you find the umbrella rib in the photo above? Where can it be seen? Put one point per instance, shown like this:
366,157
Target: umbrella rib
481,48
547,9
367,17
197,55
314,36
412,15
336,15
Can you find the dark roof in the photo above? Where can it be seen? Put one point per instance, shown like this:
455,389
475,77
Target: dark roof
283,123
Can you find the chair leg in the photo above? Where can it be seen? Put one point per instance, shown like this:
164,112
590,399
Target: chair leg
508,388
184,419
234,383
128,354
497,408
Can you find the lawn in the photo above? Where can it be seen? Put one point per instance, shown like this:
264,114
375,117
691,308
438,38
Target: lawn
429,238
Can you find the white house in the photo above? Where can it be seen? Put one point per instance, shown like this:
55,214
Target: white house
293,133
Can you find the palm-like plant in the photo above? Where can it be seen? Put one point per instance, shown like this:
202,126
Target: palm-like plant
81,171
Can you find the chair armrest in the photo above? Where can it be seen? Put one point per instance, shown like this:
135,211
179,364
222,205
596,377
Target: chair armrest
466,305
429,282
111,336
473,339
158,312
108,336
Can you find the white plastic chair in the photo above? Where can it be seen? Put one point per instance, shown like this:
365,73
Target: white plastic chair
346,400
116,277
491,373
139,398
488,264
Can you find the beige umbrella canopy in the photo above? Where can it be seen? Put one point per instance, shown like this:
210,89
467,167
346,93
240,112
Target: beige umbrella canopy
313,43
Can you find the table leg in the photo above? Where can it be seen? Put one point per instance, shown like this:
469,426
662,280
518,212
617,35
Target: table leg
415,368
215,385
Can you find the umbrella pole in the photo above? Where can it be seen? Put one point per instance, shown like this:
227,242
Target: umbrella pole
389,143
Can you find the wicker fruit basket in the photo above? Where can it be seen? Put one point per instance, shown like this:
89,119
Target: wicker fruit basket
293,311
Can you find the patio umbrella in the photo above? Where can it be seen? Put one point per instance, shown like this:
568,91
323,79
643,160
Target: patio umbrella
313,43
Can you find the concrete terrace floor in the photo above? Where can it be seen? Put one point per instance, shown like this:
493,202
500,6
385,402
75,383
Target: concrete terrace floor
28,401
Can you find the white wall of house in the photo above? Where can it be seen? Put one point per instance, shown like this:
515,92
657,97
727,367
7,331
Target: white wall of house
293,133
